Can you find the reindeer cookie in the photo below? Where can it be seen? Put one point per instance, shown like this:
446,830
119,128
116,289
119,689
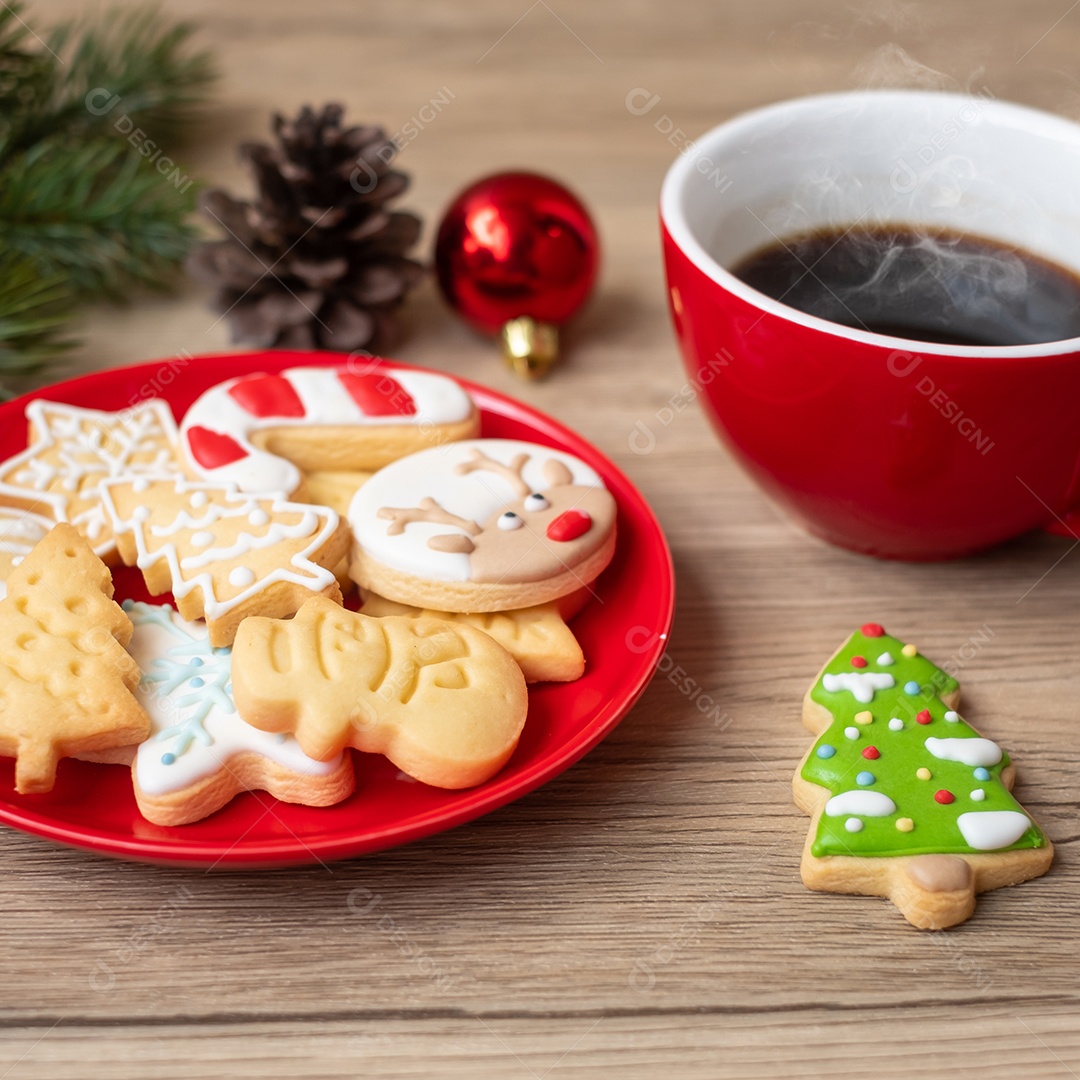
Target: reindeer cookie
262,432
443,701
481,525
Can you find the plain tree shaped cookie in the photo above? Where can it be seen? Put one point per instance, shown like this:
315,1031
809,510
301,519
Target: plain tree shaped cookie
66,682
908,801
443,701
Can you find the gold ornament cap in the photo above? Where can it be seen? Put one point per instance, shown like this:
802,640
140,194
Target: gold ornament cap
530,348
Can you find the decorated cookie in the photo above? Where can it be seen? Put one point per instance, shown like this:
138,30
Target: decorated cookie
225,554
71,450
261,432
20,530
481,525
443,701
66,683
537,638
200,753
908,801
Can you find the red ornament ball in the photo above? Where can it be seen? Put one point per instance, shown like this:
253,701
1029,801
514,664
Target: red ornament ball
858,661
872,629
944,797
516,244
871,752
923,717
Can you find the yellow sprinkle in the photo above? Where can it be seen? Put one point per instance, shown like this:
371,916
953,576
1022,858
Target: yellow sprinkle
905,824
924,774
864,717
910,650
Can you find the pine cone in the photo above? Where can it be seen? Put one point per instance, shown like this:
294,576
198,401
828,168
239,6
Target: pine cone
316,261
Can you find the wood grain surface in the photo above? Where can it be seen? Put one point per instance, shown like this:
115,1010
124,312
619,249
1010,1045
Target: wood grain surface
642,915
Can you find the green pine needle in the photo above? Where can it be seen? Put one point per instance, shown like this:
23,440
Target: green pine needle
84,213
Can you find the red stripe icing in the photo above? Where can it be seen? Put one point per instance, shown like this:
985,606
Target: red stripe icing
569,525
211,449
267,396
377,394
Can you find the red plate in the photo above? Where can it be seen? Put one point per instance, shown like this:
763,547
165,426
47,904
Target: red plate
623,633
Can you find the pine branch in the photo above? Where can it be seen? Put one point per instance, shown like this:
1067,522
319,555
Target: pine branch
139,66
33,310
99,216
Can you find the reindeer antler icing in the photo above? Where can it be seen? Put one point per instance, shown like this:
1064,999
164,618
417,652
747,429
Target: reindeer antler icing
480,462
425,510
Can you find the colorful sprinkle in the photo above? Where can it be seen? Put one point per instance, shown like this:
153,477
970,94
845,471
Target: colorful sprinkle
851,732
896,724
872,753
912,688
195,661
196,682
910,650
168,759
982,774
865,778
858,661
923,774
944,797
905,824
923,717
978,794
853,824
826,751
886,659
872,629
864,717
952,716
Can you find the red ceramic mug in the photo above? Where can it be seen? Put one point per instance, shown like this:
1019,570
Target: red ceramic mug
888,446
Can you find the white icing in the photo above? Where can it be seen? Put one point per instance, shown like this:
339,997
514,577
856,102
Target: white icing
978,794
227,504
851,732
896,724
198,500
853,824
862,684
202,539
241,576
438,400
141,441
164,646
971,752
952,717
886,660
509,522
536,502
475,496
864,803
20,531
3,590
988,830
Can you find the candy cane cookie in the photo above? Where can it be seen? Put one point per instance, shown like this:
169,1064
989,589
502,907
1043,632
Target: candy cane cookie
263,432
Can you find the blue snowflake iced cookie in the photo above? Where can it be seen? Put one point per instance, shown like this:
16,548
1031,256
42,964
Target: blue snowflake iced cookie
200,753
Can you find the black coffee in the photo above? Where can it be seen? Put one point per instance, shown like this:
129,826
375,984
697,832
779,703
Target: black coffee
926,285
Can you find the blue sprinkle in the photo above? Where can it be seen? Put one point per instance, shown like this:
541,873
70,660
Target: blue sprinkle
127,605
912,688
865,778
221,652
196,661
982,774
167,759
826,751
196,682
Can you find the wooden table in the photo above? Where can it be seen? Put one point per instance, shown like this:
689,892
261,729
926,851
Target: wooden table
642,915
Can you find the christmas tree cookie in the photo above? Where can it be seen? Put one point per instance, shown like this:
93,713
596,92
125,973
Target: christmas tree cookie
908,801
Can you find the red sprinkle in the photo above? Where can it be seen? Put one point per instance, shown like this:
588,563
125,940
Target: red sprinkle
872,629
871,752
924,717
569,525
858,661
944,797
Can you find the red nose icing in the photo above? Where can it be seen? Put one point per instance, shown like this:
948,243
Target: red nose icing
569,525
211,449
